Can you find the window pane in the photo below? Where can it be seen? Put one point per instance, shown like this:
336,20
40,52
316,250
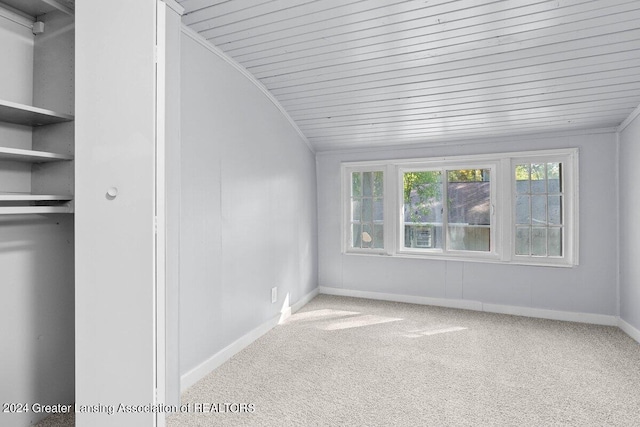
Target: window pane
467,238
378,184
553,177
555,241
356,184
555,210
422,208
468,175
367,184
356,235
538,241
523,210
378,209
522,179
367,210
356,210
378,236
538,178
544,199
539,210
425,236
469,209
367,235
423,197
523,240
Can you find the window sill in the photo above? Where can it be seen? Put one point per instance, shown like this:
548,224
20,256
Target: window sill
488,260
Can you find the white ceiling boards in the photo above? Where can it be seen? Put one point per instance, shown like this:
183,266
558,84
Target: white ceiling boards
363,73
40,7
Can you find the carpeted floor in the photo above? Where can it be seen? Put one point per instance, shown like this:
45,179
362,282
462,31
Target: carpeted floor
355,362
58,420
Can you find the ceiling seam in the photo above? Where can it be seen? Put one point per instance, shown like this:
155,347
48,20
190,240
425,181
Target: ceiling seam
626,122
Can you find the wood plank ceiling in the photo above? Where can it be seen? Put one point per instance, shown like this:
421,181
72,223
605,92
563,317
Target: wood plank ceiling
35,8
363,73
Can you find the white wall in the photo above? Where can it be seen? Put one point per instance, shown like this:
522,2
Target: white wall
248,207
588,288
630,224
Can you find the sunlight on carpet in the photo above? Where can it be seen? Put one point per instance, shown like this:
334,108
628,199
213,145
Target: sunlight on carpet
359,322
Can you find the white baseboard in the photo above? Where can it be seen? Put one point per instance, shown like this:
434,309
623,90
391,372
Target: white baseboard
305,300
541,313
629,330
200,371
440,302
288,311
196,374
597,319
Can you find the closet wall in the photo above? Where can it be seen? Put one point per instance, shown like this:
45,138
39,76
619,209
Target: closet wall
36,250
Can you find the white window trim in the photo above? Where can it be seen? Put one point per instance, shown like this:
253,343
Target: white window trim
443,165
569,159
502,194
347,170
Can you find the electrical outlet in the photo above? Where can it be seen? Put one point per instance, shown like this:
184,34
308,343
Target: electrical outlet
274,294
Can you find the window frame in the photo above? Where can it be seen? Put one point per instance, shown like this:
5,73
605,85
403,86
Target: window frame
569,179
444,166
503,182
347,240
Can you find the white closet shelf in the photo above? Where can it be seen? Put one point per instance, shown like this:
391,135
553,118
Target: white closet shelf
26,197
31,156
12,112
18,210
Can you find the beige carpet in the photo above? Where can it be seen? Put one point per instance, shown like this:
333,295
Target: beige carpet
354,362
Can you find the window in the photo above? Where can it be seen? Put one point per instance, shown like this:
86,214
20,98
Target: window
366,210
538,209
544,208
447,209
509,207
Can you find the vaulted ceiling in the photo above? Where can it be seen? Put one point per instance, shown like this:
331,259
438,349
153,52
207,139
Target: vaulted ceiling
362,73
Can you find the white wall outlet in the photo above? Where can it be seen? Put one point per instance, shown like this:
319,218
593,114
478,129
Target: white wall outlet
274,294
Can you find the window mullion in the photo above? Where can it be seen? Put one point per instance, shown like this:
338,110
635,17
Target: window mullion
445,211
390,210
530,225
506,209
